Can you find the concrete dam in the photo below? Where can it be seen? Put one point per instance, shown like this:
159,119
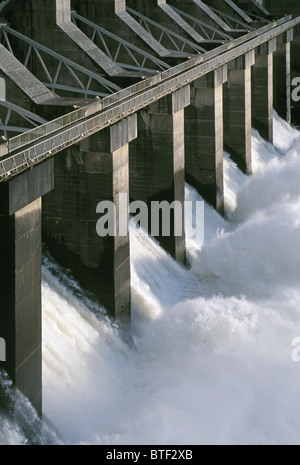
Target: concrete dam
106,97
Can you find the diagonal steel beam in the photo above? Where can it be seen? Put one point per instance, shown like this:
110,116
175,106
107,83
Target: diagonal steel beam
76,72
3,4
41,150
63,21
14,113
209,32
260,7
23,78
170,38
179,21
138,59
235,24
212,15
138,29
239,11
255,10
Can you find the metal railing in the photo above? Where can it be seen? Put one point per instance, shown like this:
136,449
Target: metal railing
48,128
165,85
11,113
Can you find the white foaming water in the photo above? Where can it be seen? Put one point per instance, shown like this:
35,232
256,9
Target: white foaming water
211,360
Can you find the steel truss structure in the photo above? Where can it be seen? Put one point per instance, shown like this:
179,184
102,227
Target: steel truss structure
161,33
3,4
235,24
47,142
11,113
208,31
167,38
261,8
261,15
238,10
115,48
80,80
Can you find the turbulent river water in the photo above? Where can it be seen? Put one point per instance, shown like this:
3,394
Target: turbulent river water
209,360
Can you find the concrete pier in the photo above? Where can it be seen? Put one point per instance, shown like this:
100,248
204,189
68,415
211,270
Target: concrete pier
20,278
97,170
139,144
237,111
157,161
262,90
204,137
282,76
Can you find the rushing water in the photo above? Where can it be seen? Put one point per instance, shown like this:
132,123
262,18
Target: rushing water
210,356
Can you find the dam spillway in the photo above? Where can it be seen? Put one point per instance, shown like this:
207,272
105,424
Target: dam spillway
107,97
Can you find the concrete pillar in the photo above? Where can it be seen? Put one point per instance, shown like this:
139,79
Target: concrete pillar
262,89
295,74
237,111
157,161
282,76
20,278
204,137
95,171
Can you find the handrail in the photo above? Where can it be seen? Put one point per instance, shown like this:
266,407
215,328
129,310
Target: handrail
46,129
140,99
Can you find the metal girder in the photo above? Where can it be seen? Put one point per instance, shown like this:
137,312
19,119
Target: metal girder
3,4
257,18
46,147
169,39
114,46
11,113
235,24
256,11
260,7
206,30
212,15
238,10
232,23
80,80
